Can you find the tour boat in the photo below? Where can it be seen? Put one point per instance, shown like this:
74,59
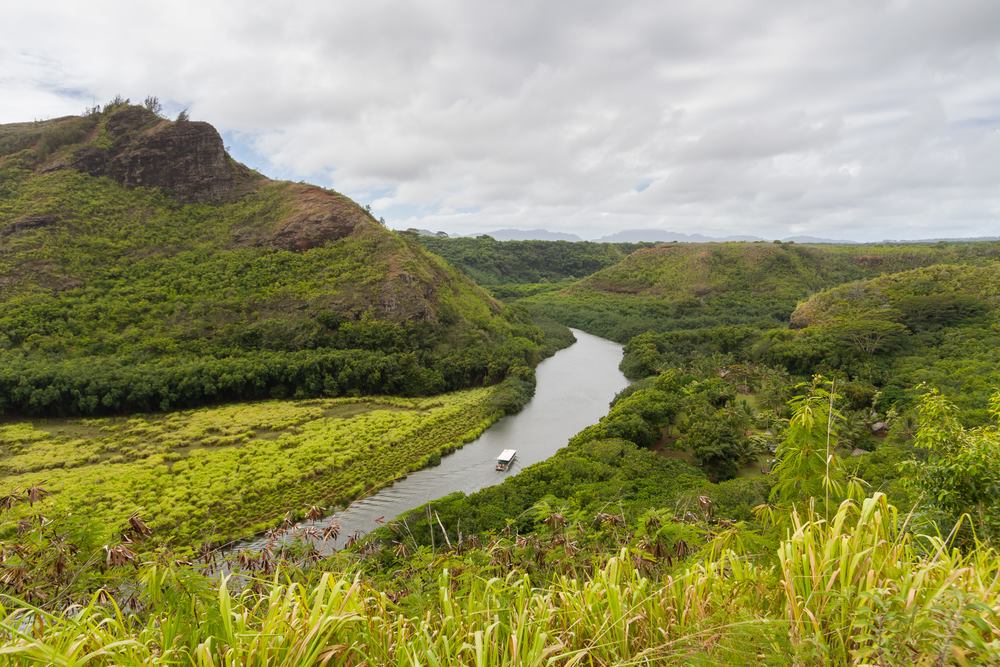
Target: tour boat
506,459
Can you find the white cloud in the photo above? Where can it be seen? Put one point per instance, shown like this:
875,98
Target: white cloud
859,119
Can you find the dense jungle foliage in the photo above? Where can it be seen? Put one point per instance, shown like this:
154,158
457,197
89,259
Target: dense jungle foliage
117,298
939,325
887,335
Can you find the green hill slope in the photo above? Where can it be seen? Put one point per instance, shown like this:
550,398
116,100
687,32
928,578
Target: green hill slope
686,286
939,324
142,268
504,264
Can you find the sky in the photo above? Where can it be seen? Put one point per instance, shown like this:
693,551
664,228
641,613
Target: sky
846,119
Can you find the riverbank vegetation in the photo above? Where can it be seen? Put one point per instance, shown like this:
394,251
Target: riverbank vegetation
614,550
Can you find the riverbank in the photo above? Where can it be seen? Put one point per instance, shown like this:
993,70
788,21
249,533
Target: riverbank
212,475
574,390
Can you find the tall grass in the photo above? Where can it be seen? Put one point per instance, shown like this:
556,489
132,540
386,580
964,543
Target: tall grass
857,589
862,589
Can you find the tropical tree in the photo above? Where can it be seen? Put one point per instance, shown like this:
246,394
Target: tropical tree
959,468
807,467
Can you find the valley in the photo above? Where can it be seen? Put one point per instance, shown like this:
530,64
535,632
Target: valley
265,424
574,389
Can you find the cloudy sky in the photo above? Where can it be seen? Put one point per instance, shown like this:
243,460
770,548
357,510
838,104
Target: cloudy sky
848,119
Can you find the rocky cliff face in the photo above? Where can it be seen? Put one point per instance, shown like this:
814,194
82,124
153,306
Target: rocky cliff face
187,158
137,148
319,216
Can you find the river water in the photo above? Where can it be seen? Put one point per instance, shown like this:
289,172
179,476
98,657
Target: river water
574,388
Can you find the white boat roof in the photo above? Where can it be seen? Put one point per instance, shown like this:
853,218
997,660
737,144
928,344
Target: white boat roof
507,455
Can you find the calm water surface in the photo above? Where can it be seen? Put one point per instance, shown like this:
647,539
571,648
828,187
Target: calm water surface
573,391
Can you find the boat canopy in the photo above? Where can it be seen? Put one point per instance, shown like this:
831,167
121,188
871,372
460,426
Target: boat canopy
507,455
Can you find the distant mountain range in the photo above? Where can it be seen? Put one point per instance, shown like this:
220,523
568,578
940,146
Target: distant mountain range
666,236
640,235
624,236
815,239
531,235
952,239
504,234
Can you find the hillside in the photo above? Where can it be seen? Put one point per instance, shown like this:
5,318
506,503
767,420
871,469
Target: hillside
685,286
932,297
142,268
939,325
493,263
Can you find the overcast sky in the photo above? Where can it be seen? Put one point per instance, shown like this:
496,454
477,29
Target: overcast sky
857,119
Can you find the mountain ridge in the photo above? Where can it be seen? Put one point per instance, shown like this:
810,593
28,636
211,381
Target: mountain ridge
530,235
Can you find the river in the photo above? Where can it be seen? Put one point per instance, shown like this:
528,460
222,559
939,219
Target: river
574,388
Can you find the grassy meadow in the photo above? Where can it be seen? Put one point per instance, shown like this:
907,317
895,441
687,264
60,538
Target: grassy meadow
219,473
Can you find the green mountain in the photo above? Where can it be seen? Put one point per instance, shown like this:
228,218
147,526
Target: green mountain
922,299
688,286
141,267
